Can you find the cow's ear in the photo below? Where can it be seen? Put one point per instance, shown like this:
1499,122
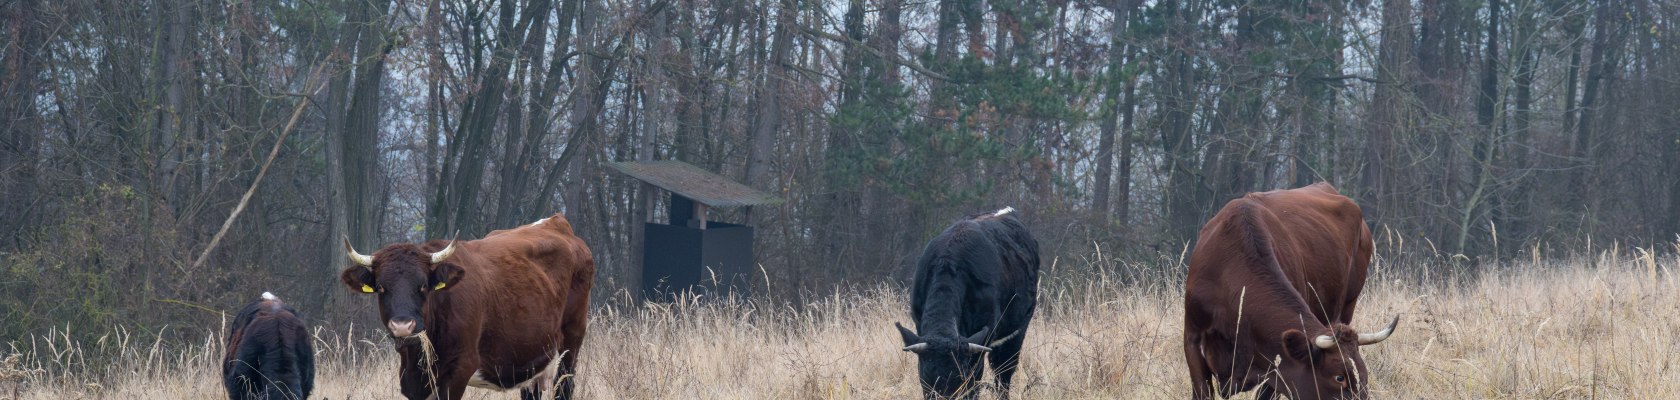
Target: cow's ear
1296,345
909,337
445,275
358,278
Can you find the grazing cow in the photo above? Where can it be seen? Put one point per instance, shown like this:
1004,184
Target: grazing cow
268,353
977,278
1270,293
503,312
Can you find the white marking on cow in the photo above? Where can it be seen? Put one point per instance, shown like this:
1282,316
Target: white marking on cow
1005,210
543,381
269,296
477,381
539,222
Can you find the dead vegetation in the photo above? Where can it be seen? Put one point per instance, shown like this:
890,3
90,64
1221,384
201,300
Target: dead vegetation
1598,327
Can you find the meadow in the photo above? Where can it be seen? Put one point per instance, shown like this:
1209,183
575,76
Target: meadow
1599,325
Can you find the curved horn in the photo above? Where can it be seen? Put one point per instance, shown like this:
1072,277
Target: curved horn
1378,337
1324,342
358,258
447,250
975,348
1005,338
916,348
441,255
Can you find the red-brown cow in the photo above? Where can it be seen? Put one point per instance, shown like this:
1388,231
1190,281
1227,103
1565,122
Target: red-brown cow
1270,293
503,312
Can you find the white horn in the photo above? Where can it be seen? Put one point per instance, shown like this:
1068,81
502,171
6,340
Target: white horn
1377,337
916,348
444,254
1005,338
975,348
1324,342
358,258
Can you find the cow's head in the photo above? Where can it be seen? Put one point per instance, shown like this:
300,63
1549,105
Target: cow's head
1327,366
949,366
404,276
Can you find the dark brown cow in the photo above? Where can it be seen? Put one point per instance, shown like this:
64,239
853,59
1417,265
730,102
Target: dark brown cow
1270,293
503,312
269,356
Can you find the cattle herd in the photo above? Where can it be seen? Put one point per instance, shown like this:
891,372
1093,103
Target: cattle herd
1268,300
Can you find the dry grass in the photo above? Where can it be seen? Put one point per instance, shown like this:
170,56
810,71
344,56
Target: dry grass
1600,328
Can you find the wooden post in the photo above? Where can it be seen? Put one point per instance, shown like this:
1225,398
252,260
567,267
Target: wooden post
700,214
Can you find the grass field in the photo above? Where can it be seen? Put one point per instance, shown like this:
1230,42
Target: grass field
1604,326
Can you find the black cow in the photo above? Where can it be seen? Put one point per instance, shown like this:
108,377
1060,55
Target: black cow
268,353
975,290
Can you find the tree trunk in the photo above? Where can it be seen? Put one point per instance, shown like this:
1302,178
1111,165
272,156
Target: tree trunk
588,97
1388,110
1177,108
1117,53
170,117
477,129
20,82
363,192
1128,108
1483,194
769,122
1516,218
527,127
1603,27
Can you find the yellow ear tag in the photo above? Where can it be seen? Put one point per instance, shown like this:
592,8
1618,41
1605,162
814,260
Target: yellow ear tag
439,286
367,289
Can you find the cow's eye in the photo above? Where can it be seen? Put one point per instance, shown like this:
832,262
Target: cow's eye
1341,378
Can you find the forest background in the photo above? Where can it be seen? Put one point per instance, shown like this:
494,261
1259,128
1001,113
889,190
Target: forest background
1473,131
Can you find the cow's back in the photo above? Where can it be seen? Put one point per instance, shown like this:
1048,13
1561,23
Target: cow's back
1317,238
269,355
996,257
1322,245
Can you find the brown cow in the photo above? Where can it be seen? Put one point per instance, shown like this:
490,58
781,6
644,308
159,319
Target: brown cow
506,311
1270,293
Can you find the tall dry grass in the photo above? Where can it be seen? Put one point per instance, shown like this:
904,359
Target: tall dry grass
1596,327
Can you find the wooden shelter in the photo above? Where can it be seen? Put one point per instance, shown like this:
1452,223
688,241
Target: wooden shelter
690,250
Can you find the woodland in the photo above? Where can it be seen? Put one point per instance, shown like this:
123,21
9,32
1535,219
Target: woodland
130,131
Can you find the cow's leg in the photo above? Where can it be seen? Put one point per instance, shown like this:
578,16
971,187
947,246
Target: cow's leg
573,328
1266,392
454,382
1005,358
415,379
450,381
1201,379
529,394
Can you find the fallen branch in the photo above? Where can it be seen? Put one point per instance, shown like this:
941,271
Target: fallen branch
246,199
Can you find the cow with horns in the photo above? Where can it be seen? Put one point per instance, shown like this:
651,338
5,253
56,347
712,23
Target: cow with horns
269,356
1270,295
503,312
975,289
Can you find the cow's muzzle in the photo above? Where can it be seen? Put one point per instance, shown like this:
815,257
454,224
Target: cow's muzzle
402,327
